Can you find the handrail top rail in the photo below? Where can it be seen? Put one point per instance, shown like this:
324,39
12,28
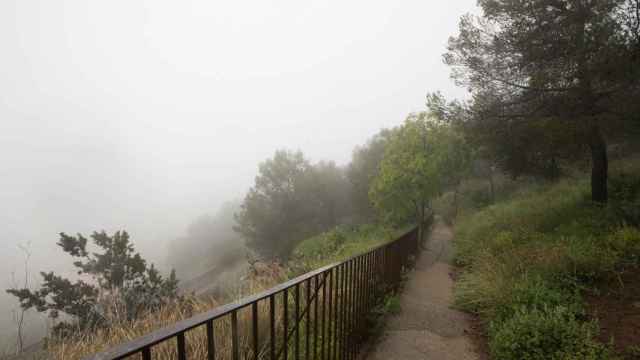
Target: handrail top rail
157,336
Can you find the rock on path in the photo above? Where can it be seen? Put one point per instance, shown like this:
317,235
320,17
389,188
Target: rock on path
427,327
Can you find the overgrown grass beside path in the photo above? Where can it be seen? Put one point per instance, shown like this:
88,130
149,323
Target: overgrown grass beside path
527,261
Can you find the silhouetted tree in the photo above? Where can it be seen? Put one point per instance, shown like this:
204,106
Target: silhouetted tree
117,273
278,209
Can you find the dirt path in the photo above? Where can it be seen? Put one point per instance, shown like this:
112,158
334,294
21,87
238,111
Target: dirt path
427,328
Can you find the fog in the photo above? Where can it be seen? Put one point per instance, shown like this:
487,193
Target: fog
146,115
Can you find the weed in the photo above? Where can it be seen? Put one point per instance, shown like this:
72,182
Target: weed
548,333
392,305
526,262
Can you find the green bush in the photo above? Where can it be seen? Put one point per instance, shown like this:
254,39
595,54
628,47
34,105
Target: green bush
589,258
549,333
526,262
534,292
392,305
626,242
338,244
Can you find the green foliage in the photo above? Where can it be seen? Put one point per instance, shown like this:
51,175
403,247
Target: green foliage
274,211
548,79
338,244
547,333
526,261
290,200
364,167
408,177
625,194
392,305
533,292
119,272
422,158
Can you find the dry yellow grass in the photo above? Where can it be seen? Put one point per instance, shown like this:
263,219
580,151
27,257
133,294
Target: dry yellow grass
257,280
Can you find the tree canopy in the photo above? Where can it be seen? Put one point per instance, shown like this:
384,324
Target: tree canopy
277,207
549,78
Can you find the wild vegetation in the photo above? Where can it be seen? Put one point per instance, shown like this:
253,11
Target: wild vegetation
116,279
528,260
549,80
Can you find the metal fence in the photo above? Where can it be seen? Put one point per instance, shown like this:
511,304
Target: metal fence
324,314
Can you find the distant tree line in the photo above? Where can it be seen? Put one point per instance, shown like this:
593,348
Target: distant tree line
208,243
551,82
293,198
391,179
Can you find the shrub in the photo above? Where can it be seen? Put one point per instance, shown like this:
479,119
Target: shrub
114,274
626,241
550,333
534,292
589,258
481,288
527,260
392,305
338,244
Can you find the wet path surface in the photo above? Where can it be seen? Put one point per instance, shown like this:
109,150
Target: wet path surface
426,327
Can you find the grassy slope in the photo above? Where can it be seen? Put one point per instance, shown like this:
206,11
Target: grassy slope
332,246
338,244
527,261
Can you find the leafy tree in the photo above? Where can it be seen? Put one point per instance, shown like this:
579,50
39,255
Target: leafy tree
364,167
278,208
409,175
117,273
454,158
545,75
331,191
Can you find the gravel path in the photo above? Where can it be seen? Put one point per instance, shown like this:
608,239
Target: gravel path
426,327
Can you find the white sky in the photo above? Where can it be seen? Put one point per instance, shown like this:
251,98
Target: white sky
145,114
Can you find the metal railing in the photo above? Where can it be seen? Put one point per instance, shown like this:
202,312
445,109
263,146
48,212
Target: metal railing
324,314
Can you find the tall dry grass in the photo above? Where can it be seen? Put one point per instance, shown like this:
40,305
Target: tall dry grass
258,279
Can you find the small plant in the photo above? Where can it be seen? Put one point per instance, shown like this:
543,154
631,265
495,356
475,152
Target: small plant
550,333
392,305
536,293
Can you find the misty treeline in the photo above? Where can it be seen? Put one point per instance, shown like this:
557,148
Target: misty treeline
293,199
391,179
551,82
210,243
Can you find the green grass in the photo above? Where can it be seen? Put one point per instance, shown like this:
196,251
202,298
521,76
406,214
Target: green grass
339,244
527,260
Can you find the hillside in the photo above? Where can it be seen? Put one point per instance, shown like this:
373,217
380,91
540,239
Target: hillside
540,267
339,244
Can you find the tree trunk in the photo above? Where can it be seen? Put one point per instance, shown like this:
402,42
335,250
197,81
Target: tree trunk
599,166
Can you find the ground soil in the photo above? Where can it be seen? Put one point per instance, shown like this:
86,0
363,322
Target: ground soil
427,327
616,305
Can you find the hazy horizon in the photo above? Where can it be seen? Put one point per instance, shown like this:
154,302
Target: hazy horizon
145,115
